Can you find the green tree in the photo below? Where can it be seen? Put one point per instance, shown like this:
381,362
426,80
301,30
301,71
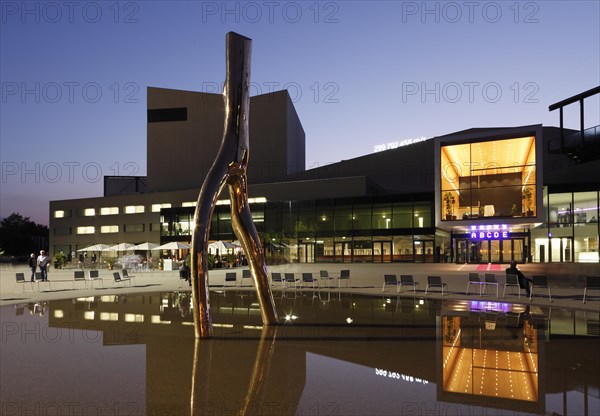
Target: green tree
20,236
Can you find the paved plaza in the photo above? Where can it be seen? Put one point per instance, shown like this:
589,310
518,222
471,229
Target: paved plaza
566,282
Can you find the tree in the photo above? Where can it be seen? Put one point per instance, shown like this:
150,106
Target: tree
20,236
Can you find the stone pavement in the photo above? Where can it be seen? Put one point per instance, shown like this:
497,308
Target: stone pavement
566,282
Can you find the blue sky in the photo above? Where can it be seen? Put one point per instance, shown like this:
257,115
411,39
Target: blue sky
361,74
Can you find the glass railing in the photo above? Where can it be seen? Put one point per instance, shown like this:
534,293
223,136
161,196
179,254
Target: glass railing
591,138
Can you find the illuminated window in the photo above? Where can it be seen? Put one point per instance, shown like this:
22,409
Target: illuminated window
59,213
87,212
109,210
486,179
134,209
189,204
86,230
109,316
158,207
107,229
134,317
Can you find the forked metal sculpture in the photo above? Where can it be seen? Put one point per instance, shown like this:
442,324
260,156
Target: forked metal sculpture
229,168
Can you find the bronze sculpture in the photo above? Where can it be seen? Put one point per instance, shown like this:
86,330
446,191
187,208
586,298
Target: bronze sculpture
229,168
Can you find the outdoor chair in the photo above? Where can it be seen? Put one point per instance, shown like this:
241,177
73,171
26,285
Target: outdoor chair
21,280
290,279
490,280
591,283
119,279
128,276
94,275
513,281
246,274
407,280
230,277
435,281
79,276
276,278
184,276
38,280
540,282
344,275
307,278
390,280
475,280
324,275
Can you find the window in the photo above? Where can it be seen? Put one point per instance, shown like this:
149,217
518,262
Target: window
494,178
109,210
62,231
107,229
60,213
160,115
190,204
86,230
134,209
134,228
86,212
158,207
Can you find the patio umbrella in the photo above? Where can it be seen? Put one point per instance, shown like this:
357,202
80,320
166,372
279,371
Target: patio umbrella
95,247
122,247
174,245
146,246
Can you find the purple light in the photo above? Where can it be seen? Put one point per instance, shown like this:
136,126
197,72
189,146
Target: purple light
487,306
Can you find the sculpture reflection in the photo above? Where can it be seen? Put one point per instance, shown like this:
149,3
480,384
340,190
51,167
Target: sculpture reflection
229,168
258,380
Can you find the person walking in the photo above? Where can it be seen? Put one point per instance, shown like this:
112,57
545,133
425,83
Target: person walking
42,261
32,266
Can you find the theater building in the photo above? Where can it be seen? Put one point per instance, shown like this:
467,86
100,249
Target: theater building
483,195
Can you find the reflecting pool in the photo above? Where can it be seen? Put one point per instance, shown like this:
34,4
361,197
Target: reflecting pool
333,354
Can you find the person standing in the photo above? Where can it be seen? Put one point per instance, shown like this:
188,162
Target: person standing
32,266
42,261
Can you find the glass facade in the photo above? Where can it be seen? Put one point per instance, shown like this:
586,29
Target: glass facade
488,179
570,231
365,230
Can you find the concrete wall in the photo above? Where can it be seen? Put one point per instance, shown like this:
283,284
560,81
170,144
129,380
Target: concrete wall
180,153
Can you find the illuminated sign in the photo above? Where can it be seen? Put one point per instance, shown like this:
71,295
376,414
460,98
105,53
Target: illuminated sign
496,231
396,144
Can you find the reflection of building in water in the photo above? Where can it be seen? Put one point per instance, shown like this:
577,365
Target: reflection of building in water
492,354
455,347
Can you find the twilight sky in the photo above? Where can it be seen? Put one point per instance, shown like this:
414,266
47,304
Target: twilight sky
361,74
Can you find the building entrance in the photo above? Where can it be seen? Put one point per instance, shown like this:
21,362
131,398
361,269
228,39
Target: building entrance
489,251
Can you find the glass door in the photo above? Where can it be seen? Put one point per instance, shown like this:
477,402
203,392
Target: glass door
382,251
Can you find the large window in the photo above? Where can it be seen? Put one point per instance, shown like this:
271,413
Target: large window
488,179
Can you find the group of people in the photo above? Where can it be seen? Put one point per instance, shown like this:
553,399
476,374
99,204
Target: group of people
42,261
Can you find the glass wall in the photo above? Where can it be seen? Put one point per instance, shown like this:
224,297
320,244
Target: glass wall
369,229
570,232
488,179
